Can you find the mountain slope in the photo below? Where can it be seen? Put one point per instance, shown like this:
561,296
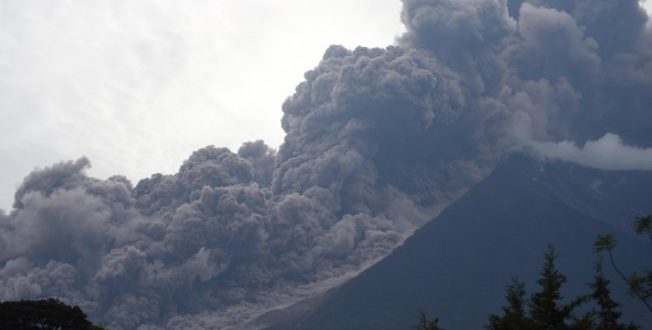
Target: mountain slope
457,266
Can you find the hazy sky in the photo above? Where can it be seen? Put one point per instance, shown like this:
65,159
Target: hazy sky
138,85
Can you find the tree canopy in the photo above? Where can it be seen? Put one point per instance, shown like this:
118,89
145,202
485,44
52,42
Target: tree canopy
49,314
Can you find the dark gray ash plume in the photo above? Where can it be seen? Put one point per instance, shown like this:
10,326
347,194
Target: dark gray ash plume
377,141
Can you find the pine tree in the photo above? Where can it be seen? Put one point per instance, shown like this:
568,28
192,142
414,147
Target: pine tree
607,315
514,315
426,324
545,309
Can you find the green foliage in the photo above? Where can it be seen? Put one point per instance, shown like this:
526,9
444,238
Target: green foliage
42,314
606,316
546,310
640,286
426,324
514,315
545,307
643,225
604,243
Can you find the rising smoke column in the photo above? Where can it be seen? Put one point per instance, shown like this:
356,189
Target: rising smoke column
377,140
229,227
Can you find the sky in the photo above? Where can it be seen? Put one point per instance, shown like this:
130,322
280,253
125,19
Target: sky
136,86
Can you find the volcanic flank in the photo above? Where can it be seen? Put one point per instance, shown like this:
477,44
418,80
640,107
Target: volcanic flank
377,142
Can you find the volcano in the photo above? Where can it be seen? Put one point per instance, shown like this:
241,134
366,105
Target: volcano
457,266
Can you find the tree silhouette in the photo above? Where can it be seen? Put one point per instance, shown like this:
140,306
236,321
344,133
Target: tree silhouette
545,310
640,286
607,315
49,314
514,314
426,324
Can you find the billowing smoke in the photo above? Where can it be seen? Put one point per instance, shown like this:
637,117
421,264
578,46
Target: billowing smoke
377,141
607,153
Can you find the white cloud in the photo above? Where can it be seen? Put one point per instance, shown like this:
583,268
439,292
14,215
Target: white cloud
137,85
647,5
607,153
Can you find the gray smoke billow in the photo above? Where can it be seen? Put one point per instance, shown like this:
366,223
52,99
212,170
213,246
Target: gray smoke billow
377,141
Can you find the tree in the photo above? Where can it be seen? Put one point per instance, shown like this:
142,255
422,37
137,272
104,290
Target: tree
640,286
426,324
546,309
42,314
643,225
607,315
514,315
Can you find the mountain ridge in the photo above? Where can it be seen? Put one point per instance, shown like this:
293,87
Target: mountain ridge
523,206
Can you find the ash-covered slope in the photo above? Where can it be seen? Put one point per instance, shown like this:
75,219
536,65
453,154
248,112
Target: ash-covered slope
457,266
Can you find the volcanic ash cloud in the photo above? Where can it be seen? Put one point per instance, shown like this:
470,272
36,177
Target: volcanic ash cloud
377,141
